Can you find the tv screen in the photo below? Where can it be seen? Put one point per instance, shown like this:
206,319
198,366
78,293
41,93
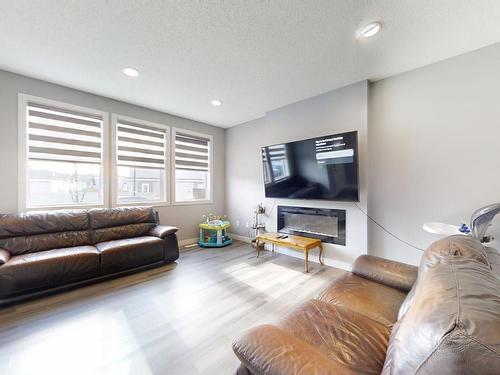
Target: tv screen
317,168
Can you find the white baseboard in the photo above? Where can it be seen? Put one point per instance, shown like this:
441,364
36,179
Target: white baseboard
240,238
188,241
297,254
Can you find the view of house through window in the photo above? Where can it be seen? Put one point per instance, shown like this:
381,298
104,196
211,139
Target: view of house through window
191,185
64,166
140,184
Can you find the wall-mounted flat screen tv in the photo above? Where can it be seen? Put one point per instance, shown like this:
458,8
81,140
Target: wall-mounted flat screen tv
317,168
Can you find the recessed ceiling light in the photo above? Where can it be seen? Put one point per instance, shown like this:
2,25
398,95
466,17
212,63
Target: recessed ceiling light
216,102
131,72
370,29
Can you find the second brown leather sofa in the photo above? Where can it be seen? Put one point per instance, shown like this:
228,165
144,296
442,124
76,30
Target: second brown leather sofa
47,252
382,318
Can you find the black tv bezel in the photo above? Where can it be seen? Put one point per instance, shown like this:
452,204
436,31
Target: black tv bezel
307,139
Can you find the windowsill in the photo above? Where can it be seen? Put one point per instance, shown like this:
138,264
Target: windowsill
54,208
194,202
140,204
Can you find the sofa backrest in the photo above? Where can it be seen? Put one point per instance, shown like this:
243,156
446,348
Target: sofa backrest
109,224
451,322
39,231
452,247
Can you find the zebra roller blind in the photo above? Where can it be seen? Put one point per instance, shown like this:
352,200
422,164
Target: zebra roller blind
140,145
63,135
277,152
191,152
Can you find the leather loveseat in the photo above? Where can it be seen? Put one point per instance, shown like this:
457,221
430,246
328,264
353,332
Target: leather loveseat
47,252
385,319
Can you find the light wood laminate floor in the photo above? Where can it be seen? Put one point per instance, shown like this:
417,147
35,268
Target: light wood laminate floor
178,319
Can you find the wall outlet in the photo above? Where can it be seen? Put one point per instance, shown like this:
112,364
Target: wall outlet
237,223
246,224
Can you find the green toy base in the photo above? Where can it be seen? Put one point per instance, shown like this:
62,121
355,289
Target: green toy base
212,244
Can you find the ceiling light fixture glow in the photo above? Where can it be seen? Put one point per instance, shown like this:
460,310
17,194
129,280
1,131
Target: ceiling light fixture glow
131,72
370,29
216,102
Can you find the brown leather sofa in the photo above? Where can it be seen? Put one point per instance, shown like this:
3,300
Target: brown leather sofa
384,319
43,253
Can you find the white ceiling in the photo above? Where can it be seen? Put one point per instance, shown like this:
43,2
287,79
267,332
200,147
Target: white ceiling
255,55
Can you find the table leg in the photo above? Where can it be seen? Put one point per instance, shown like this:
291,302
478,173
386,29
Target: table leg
306,260
273,247
321,254
257,247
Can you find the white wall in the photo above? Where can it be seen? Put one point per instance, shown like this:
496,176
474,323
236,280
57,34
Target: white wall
434,155
185,217
338,111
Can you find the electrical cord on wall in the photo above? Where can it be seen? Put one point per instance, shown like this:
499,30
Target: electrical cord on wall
386,230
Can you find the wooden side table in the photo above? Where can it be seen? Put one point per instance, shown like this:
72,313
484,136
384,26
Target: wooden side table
303,244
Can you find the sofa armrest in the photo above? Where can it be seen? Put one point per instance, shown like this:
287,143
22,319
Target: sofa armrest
4,256
162,231
269,350
388,272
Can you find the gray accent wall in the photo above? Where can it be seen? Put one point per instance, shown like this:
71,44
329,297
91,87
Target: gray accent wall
185,217
338,111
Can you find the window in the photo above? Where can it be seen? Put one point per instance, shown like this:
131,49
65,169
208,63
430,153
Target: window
192,155
66,159
140,159
62,148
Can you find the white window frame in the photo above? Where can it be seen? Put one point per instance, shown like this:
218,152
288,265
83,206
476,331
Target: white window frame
114,167
23,100
210,167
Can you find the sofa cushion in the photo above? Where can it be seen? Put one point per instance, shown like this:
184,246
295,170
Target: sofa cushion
4,256
127,253
376,301
13,225
348,337
48,268
450,247
453,323
122,232
114,217
457,246
39,231
109,224
267,349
